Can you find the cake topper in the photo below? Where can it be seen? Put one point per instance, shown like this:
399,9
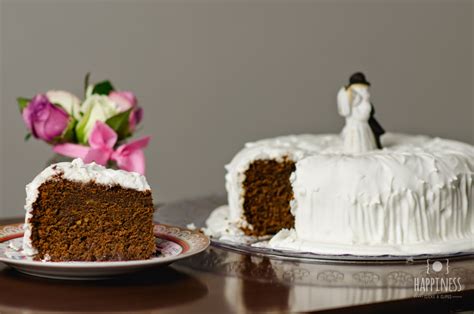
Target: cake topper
362,131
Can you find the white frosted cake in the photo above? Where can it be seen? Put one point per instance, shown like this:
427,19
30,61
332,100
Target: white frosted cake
317,193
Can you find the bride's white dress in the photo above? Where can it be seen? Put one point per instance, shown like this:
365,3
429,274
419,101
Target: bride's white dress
357,134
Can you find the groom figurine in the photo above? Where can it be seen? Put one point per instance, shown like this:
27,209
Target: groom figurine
359,78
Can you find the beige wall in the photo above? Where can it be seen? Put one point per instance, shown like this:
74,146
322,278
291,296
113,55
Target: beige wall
213,75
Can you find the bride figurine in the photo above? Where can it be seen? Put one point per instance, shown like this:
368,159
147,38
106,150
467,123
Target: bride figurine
361,132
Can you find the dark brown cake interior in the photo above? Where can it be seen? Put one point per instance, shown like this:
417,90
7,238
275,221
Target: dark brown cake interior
75,221
267,196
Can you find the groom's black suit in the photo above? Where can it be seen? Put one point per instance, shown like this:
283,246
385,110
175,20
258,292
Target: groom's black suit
376,127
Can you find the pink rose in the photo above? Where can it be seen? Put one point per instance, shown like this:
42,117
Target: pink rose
135,117
45,120
124,101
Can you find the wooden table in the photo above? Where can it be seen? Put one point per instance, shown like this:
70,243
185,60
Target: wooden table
220,281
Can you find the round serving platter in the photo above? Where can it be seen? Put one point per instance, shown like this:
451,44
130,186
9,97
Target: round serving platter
249,248
173,244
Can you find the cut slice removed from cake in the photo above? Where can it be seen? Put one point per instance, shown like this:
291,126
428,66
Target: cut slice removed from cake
85,212
267,196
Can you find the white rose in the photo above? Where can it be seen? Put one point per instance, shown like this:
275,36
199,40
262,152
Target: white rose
95,108
66,100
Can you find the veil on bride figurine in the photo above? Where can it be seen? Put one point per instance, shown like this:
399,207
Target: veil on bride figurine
361,132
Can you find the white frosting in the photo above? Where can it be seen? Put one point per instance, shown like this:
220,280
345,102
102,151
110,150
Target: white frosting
415,195
77,171
220,226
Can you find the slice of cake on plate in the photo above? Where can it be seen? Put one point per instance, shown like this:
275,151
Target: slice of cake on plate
85,212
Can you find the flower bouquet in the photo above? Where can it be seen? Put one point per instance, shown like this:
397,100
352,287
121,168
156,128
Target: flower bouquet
95,129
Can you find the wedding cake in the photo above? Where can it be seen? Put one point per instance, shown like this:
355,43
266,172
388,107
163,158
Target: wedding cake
359,192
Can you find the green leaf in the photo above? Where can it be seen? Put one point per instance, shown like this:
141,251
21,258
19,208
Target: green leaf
86,82
81,126
120,124
103,88
27,136
69,133
23,103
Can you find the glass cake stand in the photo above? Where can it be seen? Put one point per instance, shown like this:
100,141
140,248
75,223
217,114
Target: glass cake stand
196,212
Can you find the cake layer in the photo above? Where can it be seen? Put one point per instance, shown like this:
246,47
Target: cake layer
267,196
75,221
415,190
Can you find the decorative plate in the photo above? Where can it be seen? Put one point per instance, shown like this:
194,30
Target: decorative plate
173,243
